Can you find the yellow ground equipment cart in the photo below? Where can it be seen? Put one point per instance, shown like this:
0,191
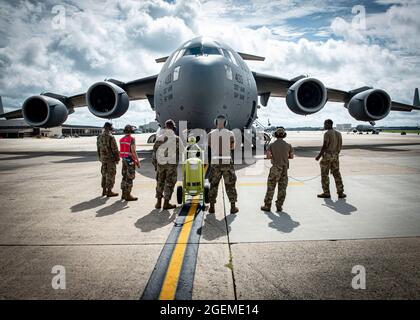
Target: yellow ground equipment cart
193,175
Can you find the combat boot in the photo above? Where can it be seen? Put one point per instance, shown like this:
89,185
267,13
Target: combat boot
324,195
233,208
211,208
109,193
158,204
266,207
103,192
342,195
167,205
279,209
129,197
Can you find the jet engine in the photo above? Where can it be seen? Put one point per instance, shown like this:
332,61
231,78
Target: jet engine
369,105
44,112
306,96
107,100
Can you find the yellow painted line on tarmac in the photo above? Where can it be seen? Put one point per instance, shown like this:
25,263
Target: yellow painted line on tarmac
175,264
173,272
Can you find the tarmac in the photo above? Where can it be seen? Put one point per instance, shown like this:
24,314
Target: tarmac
52,214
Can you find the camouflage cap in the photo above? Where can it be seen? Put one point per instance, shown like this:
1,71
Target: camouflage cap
108,125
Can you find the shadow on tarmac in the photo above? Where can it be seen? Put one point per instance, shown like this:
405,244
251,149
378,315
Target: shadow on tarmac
282,222
312,152
74,156
213,229
340,206
156,219
113,208
90,204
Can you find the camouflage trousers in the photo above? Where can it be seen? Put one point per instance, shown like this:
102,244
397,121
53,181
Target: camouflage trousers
277,176
128,175
166,175
331,163
108,171
227,171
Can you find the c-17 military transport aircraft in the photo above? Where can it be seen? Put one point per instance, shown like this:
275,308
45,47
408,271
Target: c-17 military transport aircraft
200,80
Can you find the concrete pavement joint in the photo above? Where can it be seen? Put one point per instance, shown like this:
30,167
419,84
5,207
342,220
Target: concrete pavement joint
325,240
228,242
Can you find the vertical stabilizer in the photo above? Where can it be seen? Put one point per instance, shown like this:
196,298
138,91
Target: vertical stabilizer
1,106
416,101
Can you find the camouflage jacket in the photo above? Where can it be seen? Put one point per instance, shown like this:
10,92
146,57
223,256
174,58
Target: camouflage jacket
107,148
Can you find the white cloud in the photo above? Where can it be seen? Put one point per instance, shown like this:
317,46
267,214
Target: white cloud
345,29
121,39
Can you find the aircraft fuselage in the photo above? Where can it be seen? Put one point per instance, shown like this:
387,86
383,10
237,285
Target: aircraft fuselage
202,79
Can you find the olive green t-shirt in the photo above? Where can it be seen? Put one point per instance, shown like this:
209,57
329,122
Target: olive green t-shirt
280,151
333,141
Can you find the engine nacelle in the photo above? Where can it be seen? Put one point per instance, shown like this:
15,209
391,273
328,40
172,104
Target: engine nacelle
306,96
370,105
44,112
107,100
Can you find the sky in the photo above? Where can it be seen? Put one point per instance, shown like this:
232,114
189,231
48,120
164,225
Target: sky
65,46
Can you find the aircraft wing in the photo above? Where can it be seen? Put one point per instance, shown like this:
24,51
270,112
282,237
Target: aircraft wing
277,87
398,106
137,89
16,114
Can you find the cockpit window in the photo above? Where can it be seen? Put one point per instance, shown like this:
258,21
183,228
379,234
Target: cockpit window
226,54
211,50
193,51
201,50
171,62
232,57
229,55
176,56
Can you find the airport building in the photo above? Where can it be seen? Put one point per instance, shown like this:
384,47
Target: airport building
80,130
343,126
18,128
150,127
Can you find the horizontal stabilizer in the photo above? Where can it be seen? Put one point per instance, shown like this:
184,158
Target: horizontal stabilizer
416,100
247,56
161,60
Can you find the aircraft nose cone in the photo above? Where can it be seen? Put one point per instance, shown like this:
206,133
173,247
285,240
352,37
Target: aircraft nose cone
204,88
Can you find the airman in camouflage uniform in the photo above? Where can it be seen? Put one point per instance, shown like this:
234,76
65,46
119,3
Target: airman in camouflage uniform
330,161
222,142
165,159
279,152
109,156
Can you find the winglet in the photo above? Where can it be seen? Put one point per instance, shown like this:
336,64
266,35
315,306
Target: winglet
1,106
160,60
247,56
416,100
